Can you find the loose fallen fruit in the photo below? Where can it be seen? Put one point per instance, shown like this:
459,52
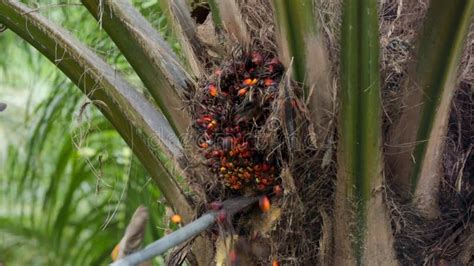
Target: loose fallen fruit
176,219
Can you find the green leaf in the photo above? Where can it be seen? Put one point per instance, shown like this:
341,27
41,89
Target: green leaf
216,17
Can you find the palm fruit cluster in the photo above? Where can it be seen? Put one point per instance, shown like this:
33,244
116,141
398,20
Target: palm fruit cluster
233,104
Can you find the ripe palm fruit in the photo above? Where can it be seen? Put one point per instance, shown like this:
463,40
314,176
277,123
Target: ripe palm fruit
234,103
278,190
176,219
222,216
264,204
212,90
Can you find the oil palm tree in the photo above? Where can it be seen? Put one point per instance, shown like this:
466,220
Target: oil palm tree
278,98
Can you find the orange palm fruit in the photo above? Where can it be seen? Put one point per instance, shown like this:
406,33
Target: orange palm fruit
212,90
242,92
250,82
115,252
176,219
269,82
264,203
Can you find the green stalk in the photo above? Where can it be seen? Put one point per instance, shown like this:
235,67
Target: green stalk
430,88
298,19
149,55
360,152
302,46
216,17
144,129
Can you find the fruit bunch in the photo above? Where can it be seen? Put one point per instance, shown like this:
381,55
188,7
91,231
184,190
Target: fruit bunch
232,105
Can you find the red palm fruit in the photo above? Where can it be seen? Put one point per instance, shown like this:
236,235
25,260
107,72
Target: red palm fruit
216,205
236,186
264,203
261,186
257,168
243,146
242,92
245,154
216,153
274,65
204,145
269,82
247,175
233,257
200,121
278,190
212,90
265,167
274,61
222,216
257,58
211,126
275,263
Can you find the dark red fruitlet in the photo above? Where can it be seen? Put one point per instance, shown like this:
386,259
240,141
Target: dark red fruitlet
278,190
222,216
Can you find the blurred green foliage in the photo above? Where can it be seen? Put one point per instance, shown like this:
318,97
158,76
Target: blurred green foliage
68,182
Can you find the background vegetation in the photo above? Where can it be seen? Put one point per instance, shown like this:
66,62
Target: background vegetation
68,182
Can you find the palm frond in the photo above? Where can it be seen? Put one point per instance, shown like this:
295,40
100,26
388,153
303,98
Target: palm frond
150,56
417,140
359,149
